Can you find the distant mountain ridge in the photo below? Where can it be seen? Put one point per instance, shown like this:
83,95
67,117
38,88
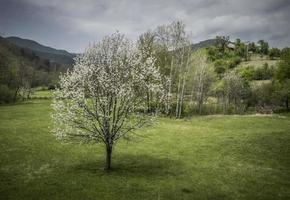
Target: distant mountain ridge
203,44
45,52
64,57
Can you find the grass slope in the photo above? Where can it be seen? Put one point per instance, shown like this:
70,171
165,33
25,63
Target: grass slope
42,94
258,62
216,157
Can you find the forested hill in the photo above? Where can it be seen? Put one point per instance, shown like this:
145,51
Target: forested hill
54,55
21,68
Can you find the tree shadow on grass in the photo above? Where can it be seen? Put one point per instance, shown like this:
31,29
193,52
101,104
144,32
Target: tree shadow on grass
131,165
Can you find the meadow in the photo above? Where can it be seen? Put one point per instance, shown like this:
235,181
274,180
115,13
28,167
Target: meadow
204,157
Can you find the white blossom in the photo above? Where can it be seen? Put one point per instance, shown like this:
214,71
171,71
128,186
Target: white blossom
102,98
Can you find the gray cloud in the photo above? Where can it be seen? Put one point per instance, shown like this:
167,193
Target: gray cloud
72,24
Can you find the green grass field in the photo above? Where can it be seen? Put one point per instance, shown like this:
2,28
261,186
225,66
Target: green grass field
210,157
42,94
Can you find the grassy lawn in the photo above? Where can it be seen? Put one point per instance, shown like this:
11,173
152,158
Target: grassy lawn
42,94
214,157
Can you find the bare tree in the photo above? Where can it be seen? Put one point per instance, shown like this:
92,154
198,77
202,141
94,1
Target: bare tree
202,78
180,44
102,98
184,75
174,40
222,42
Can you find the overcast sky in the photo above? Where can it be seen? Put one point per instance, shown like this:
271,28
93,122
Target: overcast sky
72,24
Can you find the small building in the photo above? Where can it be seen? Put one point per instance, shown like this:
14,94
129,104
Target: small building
231,46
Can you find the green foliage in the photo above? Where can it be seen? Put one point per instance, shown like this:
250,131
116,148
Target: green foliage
264,47
227,59
240,48
247,73
283,70
223,57
262,95
220,67
222,42
252,47
224,64
274,53
6,94
233,62
263,73
282,93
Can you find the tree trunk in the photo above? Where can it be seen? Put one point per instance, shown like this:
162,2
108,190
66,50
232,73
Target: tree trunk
170,85
15,94
108,158
191,97
178,96
200,104
148,101
183,85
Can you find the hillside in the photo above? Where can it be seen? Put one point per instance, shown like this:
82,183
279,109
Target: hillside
22,68
13,56
54,55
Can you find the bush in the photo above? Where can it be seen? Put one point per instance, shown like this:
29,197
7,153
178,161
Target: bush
6,94
261,95
274,53
51,87
233,62
247,73
219,67
263,73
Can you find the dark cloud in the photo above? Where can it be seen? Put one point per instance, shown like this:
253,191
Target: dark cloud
71,24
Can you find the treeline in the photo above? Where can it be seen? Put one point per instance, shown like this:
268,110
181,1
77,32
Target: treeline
208,80
21,71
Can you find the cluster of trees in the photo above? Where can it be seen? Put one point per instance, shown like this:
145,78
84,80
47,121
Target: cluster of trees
187,74
208,80
21,71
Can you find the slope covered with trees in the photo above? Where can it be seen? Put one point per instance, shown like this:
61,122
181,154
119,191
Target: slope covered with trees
21,70
54,55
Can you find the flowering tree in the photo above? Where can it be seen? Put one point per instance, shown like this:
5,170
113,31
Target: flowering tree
102,99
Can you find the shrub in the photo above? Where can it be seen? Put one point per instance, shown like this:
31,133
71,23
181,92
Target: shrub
263,73
6,94
51,87
219,67
233,62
